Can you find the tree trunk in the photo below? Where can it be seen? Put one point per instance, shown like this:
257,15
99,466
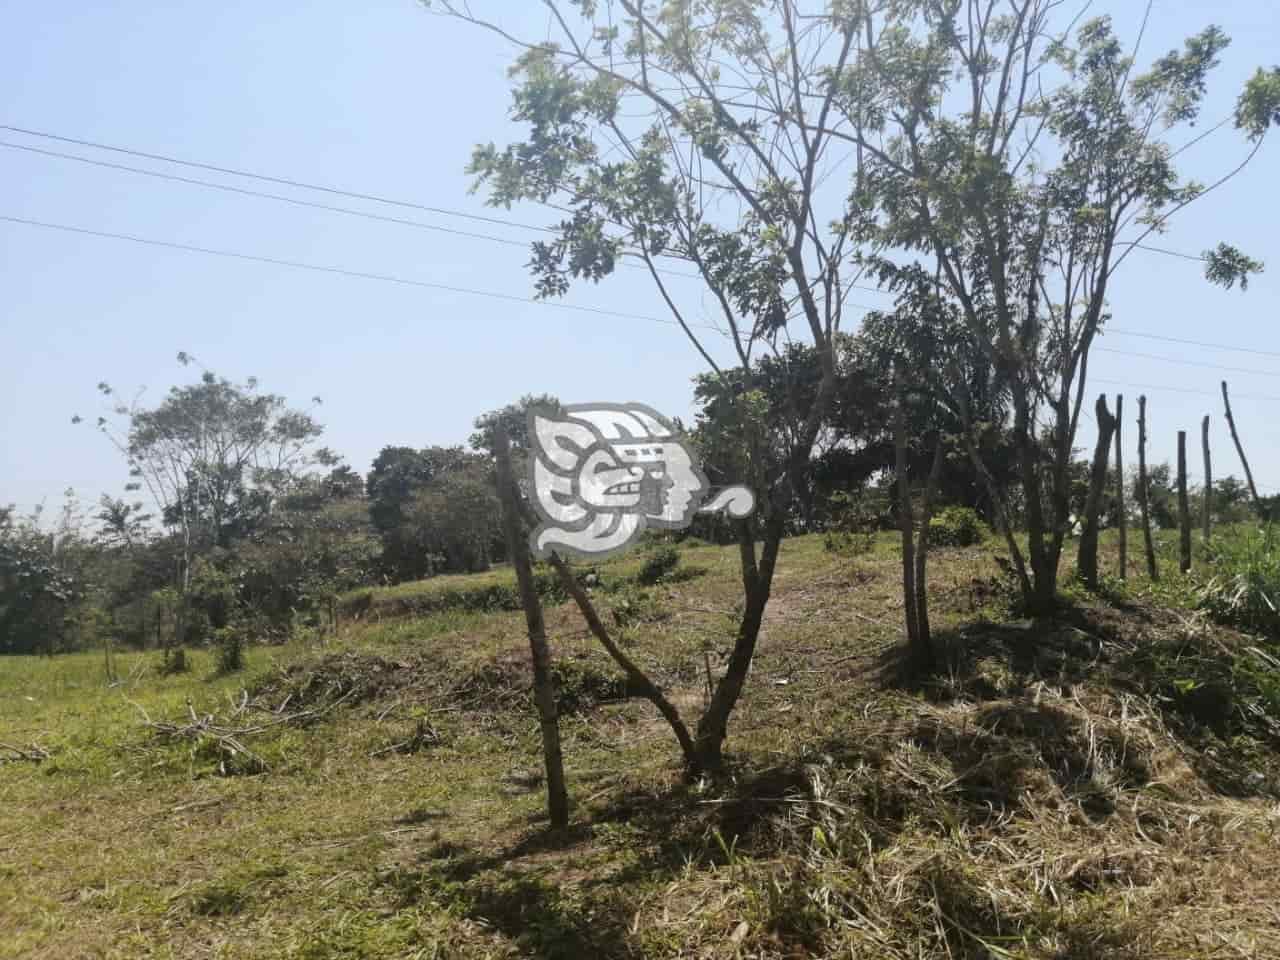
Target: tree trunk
922,556
1184,509
1144,496
757,581
544,693
638,682
1122,518
1244,461
906,522
1206,506
1087,558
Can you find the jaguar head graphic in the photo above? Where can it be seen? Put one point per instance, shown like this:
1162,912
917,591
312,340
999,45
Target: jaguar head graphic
600,474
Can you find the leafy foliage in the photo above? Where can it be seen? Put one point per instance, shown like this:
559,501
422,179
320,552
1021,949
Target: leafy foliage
955,526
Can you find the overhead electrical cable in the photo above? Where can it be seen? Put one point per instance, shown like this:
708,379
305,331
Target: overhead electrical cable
1168,389
340,271
1189,363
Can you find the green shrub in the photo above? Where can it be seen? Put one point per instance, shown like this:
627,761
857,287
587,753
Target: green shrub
855,520
1244,590
661,562
956,527
228,645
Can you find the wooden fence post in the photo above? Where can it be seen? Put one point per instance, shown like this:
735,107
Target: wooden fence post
1122,517
1184,509
1206,506
1144,497
1244,461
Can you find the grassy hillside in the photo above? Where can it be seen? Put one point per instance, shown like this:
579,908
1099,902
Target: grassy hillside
1100,785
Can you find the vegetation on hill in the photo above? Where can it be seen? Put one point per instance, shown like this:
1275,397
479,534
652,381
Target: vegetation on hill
1102,782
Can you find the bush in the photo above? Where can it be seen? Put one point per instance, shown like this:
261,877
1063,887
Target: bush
855,520
1244,590
956,527
658,565
229,649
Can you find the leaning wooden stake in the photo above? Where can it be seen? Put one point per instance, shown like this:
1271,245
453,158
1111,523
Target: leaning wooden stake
1144,499
1206,505
1184,509
1244,461
544,693
1121,516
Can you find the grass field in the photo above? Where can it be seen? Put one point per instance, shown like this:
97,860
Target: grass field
1100,785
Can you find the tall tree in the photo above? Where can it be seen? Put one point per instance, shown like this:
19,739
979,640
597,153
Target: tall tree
1029,161
215,457
718,160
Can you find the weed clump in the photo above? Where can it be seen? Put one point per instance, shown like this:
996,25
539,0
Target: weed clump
957,527
1244,590
658,566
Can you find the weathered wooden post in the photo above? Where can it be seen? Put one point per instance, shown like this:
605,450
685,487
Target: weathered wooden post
1144,498
544,693
1087,556
1121,517
1184,509
1244,461
1206,507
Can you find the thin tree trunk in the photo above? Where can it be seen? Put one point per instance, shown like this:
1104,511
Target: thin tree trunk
1184,508
757,580
906,523
543,684
1144,494
1122,518
1244,461
922,554
1206,506
1087,558
637,680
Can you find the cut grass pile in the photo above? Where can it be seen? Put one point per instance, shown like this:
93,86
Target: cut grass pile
1101,785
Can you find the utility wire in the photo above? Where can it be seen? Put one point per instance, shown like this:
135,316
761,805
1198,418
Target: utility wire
1188,363
266,196
340,271
283,181
1191,343
1168,389
430,209
300,184
175,178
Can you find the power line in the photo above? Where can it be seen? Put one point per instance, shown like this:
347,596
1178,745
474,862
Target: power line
175,178
282,181
340,271
300,184
1191,343
1188,363
1168,389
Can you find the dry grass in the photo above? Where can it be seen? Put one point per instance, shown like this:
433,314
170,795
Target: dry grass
1051,795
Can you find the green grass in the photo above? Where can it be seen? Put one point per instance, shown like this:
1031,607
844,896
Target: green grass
1045,797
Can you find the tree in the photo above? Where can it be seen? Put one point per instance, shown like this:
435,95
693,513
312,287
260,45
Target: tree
1028,163
718,160
435,510
215,457
36,588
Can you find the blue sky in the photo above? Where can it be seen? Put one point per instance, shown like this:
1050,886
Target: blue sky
380,97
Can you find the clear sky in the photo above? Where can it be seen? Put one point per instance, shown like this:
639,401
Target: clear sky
380,97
